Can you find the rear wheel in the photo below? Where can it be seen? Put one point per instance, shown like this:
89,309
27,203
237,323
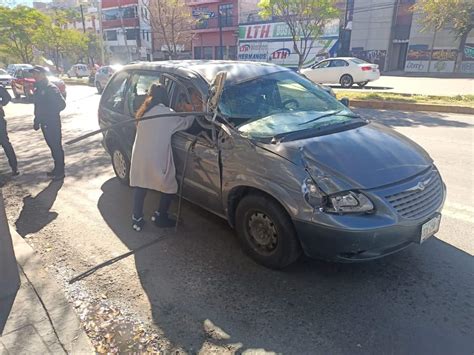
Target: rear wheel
346,81
266,232
362,84
121,165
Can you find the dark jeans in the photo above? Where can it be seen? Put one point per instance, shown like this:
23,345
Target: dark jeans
52,135
7,146
139,195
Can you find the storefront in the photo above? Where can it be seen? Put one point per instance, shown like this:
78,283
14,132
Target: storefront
272,42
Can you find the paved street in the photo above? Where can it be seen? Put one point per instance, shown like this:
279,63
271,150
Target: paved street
185,287
422,86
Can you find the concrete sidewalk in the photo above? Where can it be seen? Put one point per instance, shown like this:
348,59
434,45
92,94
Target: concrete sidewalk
40,319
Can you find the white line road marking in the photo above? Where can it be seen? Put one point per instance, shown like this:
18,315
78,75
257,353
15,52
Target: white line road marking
459,211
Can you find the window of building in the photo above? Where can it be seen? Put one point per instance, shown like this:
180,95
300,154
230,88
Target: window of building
129,12
148,35
132,33
110,35
225,12
232,52
219,51
115,14
197,53
207,53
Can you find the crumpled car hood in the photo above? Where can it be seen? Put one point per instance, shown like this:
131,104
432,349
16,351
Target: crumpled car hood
367,157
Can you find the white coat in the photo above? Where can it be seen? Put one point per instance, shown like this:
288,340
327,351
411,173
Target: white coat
152,164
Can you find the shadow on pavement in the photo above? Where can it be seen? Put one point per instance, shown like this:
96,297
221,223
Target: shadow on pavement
6,305
419,300
411,119
36,212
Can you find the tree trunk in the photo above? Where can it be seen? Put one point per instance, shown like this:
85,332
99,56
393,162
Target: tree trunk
462,43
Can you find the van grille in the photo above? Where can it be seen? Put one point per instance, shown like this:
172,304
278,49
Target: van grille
420,200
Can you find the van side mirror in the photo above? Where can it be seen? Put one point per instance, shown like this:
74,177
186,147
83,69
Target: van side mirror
345,101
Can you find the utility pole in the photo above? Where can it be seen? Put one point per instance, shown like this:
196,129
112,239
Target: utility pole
221,49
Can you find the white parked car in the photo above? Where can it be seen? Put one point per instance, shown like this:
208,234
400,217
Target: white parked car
344,71
79,71
5,78
103,75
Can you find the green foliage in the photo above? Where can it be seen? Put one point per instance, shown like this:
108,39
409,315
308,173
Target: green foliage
456,14
437,14
305,19
17,29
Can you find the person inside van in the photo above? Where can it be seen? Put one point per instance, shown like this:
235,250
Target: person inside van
152,166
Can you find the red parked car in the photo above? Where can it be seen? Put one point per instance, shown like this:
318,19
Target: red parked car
23,83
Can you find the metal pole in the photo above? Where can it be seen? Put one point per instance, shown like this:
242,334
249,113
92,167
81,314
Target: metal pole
101,32
83,22
221,50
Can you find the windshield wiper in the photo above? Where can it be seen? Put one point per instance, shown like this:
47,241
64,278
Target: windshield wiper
332,113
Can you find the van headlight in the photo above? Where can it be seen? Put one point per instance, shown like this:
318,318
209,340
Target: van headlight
349,202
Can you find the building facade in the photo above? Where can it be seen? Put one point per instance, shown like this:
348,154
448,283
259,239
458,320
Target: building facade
390,35
126,30
216,29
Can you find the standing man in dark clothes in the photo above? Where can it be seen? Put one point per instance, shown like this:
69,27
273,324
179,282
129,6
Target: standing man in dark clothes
48,104
4,140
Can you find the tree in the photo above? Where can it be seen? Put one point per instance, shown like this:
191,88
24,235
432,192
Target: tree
171,22
57,43
305,19
17,29
456,14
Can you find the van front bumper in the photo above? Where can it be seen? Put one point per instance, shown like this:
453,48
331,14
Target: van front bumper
347,245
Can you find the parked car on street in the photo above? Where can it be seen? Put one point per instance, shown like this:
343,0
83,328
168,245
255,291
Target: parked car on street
79,71
103,75
5,78
343,71
12,68
23,83
291,168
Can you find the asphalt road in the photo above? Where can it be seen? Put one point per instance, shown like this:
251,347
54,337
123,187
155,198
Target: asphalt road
420,300
421,86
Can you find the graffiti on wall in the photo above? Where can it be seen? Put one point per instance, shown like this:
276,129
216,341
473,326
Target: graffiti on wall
418,59
374,56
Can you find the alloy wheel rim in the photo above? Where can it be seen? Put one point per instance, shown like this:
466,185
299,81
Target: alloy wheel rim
119,164
262,232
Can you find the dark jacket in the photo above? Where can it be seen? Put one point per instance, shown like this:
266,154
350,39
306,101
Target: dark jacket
4,100
48,103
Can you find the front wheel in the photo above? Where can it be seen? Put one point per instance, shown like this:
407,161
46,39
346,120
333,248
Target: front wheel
121,165
266,232
362,84
346,81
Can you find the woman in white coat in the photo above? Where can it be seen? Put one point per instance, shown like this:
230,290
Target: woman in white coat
152,166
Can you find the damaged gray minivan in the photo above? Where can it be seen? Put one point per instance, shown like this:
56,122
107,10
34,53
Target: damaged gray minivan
291,168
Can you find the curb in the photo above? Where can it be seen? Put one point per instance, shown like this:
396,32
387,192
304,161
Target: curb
407,106
63,317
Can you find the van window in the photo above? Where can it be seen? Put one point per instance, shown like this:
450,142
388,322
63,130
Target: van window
138,90
113,98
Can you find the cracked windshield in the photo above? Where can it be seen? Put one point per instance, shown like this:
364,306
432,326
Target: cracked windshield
281,103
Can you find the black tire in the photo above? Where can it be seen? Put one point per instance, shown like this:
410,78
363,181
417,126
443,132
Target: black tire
346,81
99,87
276,250
121,164
69,76
362,84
